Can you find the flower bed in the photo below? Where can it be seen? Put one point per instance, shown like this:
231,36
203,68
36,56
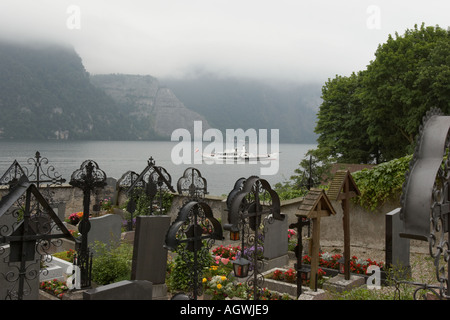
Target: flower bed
330,261
285,280
54,287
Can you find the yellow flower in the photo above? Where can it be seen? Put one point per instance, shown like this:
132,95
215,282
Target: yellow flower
219,286
223,278
204,280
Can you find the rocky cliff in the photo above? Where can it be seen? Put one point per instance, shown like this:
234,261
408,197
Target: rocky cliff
154,106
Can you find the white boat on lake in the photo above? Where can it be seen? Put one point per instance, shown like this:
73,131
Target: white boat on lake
242,155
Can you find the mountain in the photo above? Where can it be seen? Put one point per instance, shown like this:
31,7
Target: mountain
143,98
231,103
46,93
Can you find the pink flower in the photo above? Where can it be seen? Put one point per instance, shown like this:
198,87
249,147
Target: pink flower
224,260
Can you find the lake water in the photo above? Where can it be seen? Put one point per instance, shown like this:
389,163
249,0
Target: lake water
117,157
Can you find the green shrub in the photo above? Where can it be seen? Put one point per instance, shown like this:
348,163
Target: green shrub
179,270
111,263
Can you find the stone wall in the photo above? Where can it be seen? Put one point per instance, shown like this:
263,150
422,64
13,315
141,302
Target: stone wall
367,229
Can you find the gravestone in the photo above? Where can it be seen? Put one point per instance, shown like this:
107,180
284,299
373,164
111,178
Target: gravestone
111,189
60,210
149,255
276,244
106,229
397,248
122,290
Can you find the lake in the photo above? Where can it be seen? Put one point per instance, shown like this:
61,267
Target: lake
117,157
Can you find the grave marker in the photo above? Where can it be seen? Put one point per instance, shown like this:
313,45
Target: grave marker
315,206
149,255
29,238
397,248
106,229
343,188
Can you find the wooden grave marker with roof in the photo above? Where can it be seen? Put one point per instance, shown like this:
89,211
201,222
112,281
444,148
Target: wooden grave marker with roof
315,206
343,188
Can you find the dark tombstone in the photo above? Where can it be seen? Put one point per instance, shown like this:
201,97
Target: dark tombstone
397,248
149,255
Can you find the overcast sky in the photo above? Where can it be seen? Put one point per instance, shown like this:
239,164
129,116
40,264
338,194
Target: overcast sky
284,39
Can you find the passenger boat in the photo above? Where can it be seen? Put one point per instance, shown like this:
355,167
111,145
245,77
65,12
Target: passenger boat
236,155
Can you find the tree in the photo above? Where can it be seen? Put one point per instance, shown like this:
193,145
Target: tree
341,124
409,76
312,173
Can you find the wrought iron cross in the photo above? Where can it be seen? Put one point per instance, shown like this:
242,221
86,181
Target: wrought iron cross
87,178
192,185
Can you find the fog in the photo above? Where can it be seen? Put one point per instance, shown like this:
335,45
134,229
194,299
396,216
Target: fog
292,40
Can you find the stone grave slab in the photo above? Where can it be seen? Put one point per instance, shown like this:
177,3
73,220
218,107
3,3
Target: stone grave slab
276,244
122,290
106,229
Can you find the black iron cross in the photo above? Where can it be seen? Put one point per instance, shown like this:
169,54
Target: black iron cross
87,178
192,185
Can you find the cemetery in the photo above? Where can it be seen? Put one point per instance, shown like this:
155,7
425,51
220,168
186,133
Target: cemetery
145,236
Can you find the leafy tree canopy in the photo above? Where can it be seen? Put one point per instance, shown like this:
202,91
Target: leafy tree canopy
374,115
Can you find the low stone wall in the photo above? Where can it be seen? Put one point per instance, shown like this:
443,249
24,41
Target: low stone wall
367,229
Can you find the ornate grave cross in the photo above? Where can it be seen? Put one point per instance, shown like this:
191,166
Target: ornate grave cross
425,200
34,233
254,205
192,185
87,178
193,232
343,188
37,176
315,206
160,180
151,180
129,178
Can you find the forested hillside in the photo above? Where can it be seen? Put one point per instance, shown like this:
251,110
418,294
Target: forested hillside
45,93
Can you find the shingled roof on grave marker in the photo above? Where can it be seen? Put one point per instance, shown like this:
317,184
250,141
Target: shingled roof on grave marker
337,185
315,205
